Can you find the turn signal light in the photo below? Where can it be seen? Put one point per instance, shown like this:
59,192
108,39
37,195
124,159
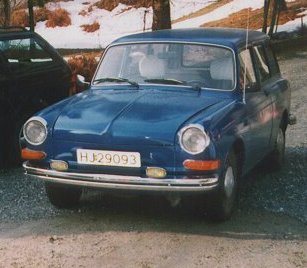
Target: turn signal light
208,165
156,172
28,154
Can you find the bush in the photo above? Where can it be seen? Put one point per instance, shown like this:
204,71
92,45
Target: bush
20,18
111,4
136,3
59,17
105,4
83,13
90,28
41,14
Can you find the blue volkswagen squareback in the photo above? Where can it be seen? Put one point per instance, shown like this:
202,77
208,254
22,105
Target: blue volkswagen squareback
174,111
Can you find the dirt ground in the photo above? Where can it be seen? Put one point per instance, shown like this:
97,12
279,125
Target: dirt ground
268,230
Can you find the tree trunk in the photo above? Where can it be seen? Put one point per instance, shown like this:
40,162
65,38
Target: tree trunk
7,13
266,9
161,15
31,15
274,16
278,5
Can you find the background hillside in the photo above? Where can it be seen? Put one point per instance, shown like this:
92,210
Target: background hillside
96,23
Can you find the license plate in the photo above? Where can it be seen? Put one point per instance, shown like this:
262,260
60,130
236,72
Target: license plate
108,158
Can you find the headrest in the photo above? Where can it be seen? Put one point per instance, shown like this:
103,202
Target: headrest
222,69
151,67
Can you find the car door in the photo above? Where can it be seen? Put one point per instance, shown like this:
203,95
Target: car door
276,87
35,73
258,107
6,104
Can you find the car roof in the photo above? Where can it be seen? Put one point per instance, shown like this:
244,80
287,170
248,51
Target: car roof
15,31
223,36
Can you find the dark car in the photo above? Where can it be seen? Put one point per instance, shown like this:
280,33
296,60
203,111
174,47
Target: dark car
32,76
173,112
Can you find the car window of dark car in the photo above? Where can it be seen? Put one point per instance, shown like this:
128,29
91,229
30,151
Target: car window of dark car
247,69
261,63
24,55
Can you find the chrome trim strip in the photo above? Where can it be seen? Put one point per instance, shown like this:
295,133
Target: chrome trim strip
107,181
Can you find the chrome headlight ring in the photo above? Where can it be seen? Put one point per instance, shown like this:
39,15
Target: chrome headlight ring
35,130
193,139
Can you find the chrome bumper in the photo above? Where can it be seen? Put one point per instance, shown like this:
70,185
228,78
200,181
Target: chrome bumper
119,182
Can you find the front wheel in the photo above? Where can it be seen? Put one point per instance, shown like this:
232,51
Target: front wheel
220,204
63,196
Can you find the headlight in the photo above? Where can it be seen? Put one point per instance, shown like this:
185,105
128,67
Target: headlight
193,139
35,130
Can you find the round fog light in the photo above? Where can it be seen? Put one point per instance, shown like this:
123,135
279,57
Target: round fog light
59,165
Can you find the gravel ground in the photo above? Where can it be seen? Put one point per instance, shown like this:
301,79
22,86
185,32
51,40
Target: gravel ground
133,233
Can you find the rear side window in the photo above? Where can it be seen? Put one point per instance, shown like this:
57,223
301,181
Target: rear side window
24,54
247,72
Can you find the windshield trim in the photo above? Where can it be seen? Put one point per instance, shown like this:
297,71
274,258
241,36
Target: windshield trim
173,42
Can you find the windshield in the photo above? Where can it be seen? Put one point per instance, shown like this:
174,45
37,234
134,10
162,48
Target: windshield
169,63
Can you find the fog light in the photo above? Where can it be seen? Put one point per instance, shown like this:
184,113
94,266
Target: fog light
156,172
59,165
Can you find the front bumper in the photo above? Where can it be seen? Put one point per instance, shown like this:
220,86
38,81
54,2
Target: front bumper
119,182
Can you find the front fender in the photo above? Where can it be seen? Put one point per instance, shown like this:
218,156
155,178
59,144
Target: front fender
224,124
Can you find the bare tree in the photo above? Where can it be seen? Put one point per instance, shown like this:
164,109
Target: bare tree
7,13
161,14
266,8
31,3
31,15
275,6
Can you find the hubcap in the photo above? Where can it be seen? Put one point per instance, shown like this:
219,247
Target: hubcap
229,182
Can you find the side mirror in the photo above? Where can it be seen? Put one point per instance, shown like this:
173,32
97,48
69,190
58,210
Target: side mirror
81,83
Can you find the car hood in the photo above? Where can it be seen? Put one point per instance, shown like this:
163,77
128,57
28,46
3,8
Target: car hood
128,116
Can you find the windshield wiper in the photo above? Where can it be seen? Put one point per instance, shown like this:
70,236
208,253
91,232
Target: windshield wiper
167,81
116,79
171,81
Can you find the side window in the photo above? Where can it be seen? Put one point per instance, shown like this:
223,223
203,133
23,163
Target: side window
247,72
24,55
261,63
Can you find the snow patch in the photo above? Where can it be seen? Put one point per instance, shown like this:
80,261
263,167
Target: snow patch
125,20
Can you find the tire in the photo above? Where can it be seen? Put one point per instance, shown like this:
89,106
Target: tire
277,157
63,196
221,204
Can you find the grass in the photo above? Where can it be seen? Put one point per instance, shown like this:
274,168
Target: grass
59,17
90,28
